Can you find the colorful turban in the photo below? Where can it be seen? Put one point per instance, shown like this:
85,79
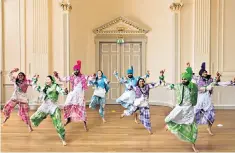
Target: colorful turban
130,71
203,68
77,67
188,74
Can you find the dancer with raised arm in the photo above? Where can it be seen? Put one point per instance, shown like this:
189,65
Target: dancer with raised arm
75,105
162,78
50,92
128,97
19,97
204,110
181,120
141,103
101,85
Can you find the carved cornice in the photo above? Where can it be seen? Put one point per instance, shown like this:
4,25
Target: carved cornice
176,7
65,5
120,26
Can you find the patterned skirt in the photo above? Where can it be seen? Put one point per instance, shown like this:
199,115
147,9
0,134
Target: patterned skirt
75,112
185,132
145,117
23,110
75,107
126,99
205,117
204,110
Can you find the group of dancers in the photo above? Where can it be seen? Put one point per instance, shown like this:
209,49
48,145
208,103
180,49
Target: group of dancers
194,106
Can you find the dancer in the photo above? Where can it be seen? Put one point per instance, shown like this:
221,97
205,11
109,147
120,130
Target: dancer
162,78
50,92
19,97
181,120
101,85
217,78
128,97
204,110
233,82
141,103
75,105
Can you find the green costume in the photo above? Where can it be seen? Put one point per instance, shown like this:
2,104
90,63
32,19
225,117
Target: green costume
181,120
49,106
161,77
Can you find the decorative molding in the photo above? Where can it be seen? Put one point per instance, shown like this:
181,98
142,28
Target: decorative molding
202,23
217,33
176,7
1,51
40,38
65,5
120,26
22,34
220,39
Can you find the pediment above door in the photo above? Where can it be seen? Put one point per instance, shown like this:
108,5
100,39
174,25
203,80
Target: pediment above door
121,26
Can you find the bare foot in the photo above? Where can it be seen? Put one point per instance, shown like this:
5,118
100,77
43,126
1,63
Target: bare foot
104,121
85,127
150,132
136,121
30,129
64,143
166,128
209,130
4,121
194,148
122,115
67,122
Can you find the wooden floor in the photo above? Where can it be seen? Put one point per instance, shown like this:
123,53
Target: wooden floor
117,135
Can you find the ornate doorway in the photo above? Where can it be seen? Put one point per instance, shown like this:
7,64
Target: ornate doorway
120,43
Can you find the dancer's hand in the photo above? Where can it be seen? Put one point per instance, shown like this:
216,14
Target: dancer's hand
56,74
15,70
115,72
66,91
218,74
188,64
36,76
148,72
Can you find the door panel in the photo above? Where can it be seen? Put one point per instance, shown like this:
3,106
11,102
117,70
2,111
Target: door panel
109,62
119,57
130,56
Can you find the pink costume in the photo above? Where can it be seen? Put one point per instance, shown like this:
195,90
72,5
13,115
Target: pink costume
19,97
75,106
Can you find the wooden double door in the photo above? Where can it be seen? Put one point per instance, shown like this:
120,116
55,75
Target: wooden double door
119,57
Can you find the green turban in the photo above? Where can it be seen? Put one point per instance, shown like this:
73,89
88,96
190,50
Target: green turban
188,74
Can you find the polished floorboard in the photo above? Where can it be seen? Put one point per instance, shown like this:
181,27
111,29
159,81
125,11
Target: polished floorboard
117,135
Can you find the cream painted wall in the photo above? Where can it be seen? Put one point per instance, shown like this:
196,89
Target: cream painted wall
1,50
34,38
222,38
11,44
155,14
186,34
